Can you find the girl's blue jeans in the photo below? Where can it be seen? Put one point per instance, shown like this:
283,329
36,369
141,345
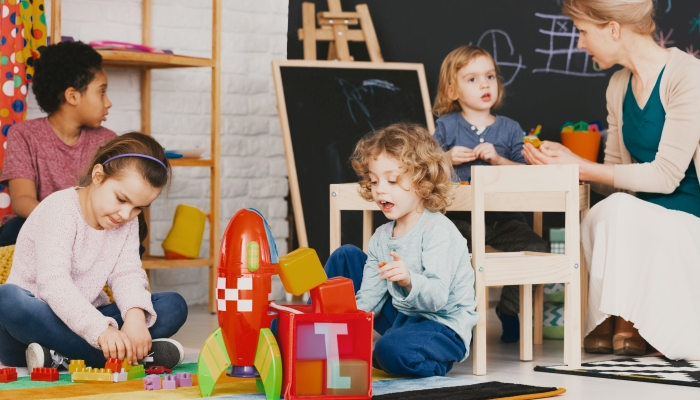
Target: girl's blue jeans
24,319
412,346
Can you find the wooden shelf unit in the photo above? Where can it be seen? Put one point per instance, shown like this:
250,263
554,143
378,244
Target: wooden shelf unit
145,62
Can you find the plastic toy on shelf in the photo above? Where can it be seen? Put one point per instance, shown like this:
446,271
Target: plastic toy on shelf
296,366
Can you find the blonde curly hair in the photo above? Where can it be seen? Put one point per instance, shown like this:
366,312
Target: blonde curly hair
420,156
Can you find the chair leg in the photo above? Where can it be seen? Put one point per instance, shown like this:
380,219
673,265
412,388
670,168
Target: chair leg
526,322
539,313
479,346
584,295
572,317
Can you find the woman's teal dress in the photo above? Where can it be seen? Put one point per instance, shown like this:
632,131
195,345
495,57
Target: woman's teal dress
641,132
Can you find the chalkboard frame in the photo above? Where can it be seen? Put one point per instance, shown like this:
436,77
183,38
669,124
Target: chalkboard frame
284,119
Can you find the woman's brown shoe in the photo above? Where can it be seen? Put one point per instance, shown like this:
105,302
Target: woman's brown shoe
626,340
599,341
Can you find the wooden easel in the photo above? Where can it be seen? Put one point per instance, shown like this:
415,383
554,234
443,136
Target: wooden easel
334,29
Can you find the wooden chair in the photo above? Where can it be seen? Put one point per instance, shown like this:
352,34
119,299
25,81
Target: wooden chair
527,188
346,197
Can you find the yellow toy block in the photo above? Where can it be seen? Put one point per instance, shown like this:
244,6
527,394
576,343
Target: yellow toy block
301,271
125,365
92,375
76,365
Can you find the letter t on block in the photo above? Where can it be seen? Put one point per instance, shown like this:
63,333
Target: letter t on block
331,332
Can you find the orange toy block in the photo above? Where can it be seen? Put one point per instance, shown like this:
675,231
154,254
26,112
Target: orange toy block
8,375
309,378
44,374
301,271
114,364
335,296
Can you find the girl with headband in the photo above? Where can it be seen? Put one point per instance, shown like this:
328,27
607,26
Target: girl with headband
53,308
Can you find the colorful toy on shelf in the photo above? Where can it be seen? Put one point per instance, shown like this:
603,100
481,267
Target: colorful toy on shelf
92,375
151,382
114,364
8,375
185,237
135,372
184,379
76,365
248,259
301,270
44,374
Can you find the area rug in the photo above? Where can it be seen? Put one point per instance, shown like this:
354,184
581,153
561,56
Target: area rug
244,389
642,369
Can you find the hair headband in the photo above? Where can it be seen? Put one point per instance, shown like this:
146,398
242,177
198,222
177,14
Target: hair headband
135,155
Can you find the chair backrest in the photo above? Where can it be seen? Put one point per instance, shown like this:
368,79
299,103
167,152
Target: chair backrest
526,188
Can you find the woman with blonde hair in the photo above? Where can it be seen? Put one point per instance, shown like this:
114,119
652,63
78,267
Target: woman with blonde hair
641,246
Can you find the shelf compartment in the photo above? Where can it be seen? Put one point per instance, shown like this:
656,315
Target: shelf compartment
153,262
137,59
190,162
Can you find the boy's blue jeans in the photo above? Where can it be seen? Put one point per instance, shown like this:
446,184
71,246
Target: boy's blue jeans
24,319
413,346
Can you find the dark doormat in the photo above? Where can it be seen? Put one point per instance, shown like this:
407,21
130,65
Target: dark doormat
479,391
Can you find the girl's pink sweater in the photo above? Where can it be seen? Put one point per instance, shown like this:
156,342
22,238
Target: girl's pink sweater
65,262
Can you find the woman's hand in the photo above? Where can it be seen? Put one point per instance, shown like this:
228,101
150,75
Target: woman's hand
115,344
395,271
136,330
460,155
550,153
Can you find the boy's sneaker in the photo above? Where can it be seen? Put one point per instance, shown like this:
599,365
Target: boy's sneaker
39,356
165,353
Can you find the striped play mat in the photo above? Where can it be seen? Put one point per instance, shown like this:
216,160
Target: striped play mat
245,389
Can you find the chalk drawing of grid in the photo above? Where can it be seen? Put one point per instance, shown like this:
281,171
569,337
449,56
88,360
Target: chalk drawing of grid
560,29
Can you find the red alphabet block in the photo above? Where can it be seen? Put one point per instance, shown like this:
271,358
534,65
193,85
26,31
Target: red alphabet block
45,374
334,296
113,364
8,375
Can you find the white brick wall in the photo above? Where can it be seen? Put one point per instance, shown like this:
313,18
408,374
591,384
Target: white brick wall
254,32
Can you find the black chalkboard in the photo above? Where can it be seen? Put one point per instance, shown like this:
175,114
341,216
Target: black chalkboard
548,80
325,107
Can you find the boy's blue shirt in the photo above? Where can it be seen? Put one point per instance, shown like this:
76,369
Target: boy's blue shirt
442,277
505,135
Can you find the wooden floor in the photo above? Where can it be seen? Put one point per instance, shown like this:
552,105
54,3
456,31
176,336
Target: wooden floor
503,365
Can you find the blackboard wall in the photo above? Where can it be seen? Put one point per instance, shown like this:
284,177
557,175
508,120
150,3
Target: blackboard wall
548,80
517,33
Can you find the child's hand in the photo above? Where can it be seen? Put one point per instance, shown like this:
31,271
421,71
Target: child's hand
395,271
460,155
115,344
488,153
135,328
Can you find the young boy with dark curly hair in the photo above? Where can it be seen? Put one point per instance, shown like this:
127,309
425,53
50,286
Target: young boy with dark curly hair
45,155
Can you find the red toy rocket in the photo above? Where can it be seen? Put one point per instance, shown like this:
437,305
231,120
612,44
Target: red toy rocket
247,261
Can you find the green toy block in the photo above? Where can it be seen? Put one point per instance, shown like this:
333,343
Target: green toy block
259,385
213,361
136,372
268,362
301,271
